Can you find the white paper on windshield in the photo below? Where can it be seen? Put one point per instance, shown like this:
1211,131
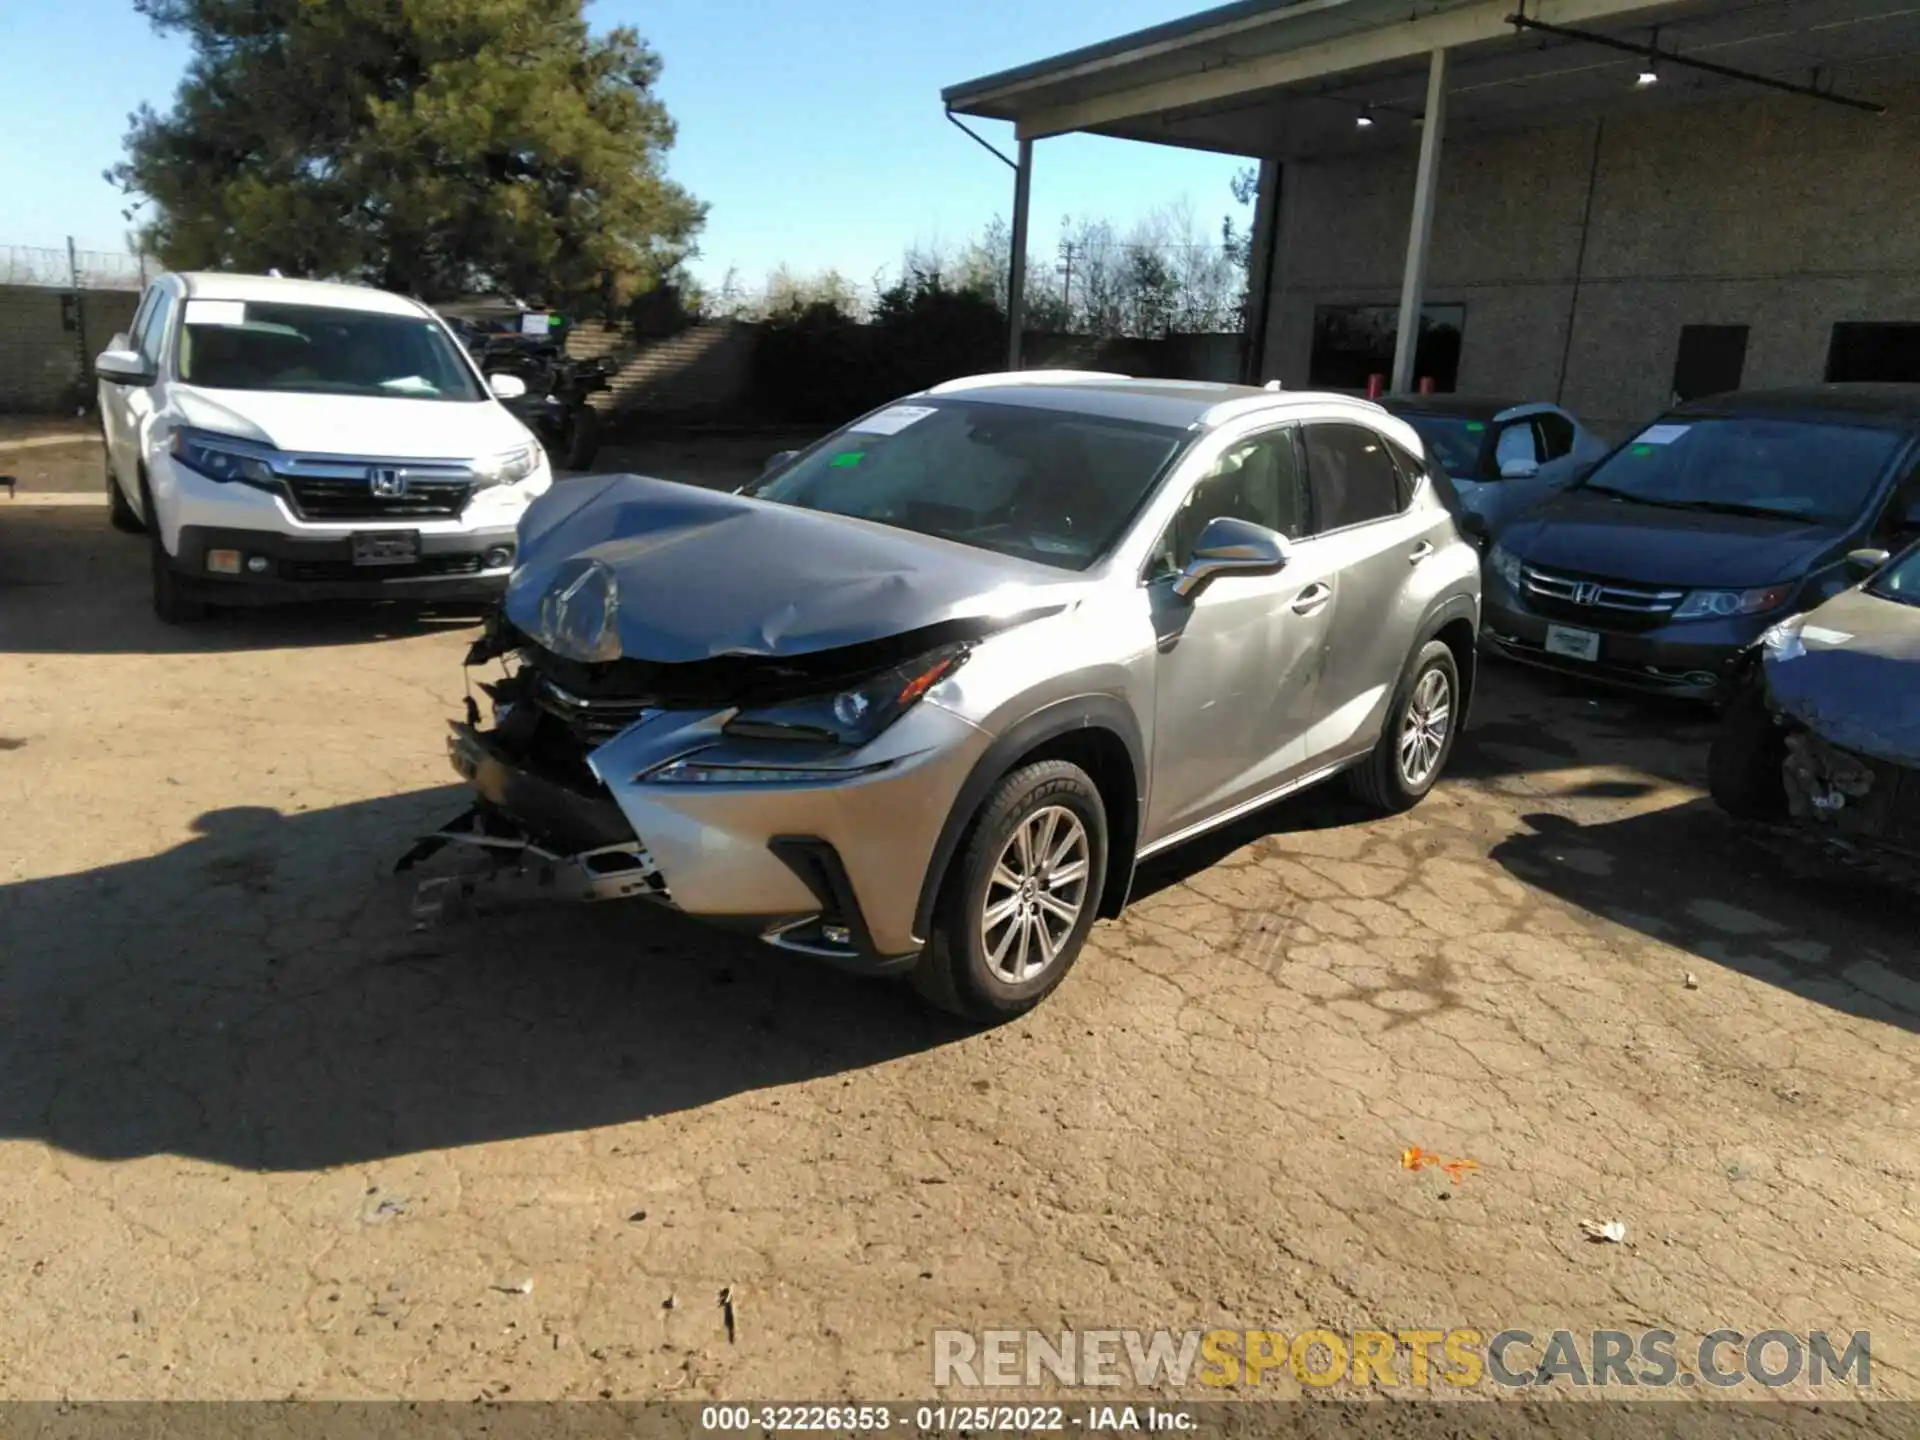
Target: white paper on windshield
216,312
1661,434
534,324
892,420
1823,635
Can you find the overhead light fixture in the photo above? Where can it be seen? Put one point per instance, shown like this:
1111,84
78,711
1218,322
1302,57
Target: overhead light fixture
1365,118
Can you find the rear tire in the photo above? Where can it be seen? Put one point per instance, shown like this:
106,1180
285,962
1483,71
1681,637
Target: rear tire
120,514
173,602
1020,897
582,438
1417,736
1744,773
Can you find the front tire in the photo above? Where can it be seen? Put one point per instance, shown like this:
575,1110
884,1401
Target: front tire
1020,897
1417,737
1744,765
581,438
172,601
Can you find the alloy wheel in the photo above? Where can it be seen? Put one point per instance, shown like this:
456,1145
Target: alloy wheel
1423,733
1035,894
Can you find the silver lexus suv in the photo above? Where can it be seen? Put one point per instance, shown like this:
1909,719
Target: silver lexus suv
921,697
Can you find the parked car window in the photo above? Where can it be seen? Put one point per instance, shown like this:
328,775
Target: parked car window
1808,470
1900,580
1458,445
1042,484
141,311
1258,479
1900,521
1351,475
153,329
321,350
1555,436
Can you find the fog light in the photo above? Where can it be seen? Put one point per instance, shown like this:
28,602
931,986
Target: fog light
257,564
223,562
497,557
836,934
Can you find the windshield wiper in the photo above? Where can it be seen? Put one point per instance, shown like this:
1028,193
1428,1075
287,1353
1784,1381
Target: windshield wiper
1715,507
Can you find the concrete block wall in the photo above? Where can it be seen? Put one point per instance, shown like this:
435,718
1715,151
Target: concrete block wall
1771,211
40,357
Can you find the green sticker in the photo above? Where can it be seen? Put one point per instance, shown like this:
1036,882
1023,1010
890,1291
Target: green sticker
1475,426
848,460
1642,450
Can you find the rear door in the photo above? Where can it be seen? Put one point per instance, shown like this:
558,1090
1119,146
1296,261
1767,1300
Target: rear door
1375,545
140,401
1238,664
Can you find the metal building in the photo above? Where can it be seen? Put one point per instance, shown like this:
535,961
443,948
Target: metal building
1603,202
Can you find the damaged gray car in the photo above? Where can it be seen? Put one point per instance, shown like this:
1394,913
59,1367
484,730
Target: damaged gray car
919,698
1825,730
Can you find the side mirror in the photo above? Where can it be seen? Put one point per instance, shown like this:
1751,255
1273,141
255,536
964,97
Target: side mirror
123,367
1519,469
506,387
1231,547
778,460
1863,563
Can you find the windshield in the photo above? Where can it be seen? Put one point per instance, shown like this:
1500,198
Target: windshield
1454,443
1794,469
246,345
1900,580
1041,484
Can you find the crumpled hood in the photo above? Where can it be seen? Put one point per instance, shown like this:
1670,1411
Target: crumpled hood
1850,671
390,429
1596,535
681,573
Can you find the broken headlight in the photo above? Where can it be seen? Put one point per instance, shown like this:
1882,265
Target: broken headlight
857,714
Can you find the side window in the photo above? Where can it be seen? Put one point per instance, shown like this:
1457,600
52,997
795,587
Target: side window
1556,436
1352,477
1412,471
153,329
1257,479
145,308
1900,522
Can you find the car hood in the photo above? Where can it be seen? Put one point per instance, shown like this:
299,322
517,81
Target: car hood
1598,535
1850,671
629,567
354,424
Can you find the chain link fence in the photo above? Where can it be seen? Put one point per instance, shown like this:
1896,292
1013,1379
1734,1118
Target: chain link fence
50,268
60,307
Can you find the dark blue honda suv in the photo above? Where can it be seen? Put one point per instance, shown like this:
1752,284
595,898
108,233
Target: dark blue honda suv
1679,549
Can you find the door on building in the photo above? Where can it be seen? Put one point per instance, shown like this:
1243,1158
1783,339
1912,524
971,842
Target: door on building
1709,362
1874,351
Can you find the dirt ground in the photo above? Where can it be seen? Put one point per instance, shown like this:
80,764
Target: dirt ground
263,1135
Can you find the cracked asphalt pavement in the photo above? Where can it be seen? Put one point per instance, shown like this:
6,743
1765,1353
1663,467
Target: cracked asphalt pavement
263,1135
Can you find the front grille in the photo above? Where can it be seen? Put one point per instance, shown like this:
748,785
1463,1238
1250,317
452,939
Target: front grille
340,497
591,722
1596,600
429,565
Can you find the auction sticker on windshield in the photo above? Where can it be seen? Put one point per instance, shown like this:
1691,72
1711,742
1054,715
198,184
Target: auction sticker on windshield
1572,643
1661,434
216,312
892,420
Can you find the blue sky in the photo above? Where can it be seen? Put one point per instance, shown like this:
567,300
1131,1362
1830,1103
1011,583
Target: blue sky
813,128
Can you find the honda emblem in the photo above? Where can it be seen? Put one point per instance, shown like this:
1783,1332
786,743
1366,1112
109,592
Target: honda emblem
389,484
1586,592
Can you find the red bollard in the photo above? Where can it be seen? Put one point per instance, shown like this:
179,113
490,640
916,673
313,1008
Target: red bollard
1426,384
1376,384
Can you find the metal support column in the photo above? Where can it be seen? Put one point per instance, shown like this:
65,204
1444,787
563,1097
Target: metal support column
1413,284
1261,248
1017,269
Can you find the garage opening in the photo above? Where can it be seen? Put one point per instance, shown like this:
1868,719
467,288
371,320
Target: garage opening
1872,350
1353,344
1709,361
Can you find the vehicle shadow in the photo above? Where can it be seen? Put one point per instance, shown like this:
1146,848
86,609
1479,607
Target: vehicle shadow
92,600
263,996
1748,899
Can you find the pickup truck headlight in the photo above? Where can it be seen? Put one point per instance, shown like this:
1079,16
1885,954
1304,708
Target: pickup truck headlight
225,458
1723,604
509,468
857,714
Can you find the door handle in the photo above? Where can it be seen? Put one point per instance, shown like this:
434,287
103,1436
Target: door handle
1421,551
1312,598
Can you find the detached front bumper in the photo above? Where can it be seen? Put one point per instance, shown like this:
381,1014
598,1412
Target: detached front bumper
831,868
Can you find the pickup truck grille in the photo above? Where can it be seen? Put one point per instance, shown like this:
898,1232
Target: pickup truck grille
341,497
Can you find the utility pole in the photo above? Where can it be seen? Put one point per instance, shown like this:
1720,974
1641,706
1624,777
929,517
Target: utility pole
1066,283
79,325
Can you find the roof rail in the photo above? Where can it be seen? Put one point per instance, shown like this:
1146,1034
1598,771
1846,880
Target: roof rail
1022,377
